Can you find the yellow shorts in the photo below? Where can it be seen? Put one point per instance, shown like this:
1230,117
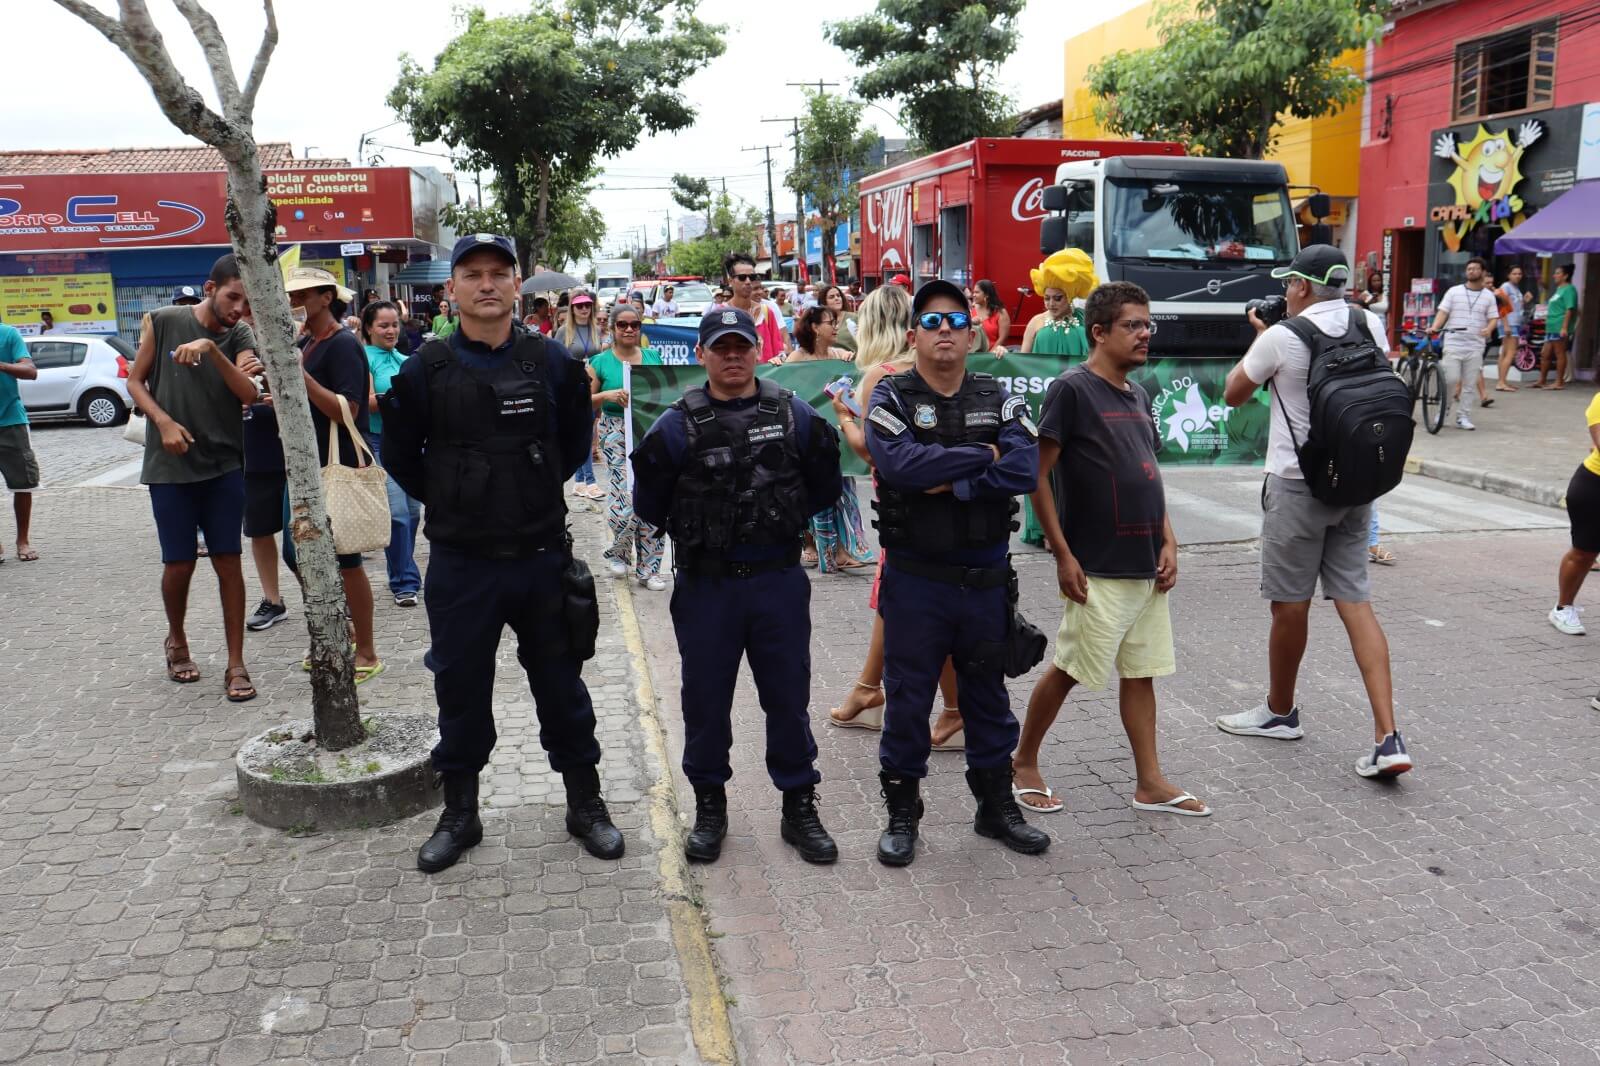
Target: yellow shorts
1124,622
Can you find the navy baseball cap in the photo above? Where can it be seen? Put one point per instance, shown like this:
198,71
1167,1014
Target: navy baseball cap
473,241
719,322
186,294
1320,263
938,287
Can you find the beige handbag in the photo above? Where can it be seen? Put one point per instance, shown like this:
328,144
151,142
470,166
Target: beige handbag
133,432
357,497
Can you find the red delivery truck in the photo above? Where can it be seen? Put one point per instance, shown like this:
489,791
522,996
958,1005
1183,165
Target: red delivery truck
973,211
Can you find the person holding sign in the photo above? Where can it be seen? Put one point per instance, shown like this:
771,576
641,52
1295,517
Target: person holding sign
633,541
733,470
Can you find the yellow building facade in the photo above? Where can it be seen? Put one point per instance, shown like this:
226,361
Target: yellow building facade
1321,152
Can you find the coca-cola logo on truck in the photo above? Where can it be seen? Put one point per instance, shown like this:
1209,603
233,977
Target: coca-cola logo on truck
1028,204
888,210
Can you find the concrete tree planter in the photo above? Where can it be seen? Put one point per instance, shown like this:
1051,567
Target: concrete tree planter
288,781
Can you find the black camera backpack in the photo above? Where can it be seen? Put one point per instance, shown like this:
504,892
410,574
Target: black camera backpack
1360,426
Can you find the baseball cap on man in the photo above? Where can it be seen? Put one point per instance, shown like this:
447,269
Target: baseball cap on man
473,241
721,322
1322,264
316,278
901,279
185,294
938,287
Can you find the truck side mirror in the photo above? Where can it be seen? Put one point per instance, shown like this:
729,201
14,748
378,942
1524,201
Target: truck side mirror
1056,196
1053,234
1320,205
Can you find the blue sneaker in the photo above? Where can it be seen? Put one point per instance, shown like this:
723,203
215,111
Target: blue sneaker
1261,722
1388,759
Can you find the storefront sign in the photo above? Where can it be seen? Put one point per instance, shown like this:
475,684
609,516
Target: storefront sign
76,303
1487,171
109,211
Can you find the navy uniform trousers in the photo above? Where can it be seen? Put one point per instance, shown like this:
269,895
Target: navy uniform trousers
767,618
470,601
923,622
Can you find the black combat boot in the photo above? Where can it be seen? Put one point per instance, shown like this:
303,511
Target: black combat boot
704,843
898,845
802,828
998,815
458,828
587,818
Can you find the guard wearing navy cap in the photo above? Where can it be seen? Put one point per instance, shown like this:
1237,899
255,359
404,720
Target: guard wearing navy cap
952,452
733,470
484,428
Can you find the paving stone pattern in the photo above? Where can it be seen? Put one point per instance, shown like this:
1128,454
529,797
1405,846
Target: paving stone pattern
1450,917
144,921
70,452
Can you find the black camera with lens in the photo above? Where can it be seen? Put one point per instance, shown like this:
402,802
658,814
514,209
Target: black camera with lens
1270,310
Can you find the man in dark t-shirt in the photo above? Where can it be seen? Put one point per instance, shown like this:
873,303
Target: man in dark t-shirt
1104,515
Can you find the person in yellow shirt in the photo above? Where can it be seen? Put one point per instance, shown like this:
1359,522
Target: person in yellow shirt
1583,508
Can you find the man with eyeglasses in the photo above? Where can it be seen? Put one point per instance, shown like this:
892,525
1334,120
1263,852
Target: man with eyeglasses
749,296
734,470
952,453
1302,538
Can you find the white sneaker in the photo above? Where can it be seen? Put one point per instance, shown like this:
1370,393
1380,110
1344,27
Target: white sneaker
1388,759
1261,722
617,567
1463,422
654,583
1566,620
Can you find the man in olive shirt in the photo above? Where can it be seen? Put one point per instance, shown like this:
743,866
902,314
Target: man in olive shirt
191,378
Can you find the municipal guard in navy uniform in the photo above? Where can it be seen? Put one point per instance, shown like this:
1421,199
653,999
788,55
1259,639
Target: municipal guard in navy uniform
734,470
952,452
485,428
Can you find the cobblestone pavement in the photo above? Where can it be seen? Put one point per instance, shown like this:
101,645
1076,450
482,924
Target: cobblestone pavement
144,921
71,452
1449,917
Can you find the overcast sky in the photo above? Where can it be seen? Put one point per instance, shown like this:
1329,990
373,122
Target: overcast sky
65,87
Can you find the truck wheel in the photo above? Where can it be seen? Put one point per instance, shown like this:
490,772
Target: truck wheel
102,407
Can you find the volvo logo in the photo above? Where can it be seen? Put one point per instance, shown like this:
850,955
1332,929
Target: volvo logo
1214,286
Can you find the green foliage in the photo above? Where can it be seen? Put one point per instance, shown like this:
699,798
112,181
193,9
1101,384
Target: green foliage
692,194
833,155
1227,70
540,98
573,231
940,58
730,231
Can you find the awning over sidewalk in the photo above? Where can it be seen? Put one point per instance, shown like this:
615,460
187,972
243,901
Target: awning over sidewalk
1569,223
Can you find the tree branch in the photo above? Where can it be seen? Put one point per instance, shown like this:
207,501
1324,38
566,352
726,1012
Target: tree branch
109,27
138,37
258,70
215,48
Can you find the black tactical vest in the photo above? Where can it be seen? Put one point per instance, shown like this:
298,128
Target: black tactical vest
742,482
491,469
940,523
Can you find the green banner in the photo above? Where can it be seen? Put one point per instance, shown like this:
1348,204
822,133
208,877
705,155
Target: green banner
1195,426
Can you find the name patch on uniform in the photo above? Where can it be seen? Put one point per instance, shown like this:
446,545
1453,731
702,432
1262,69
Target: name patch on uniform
926,417
762,434
983,418
1015,407
886,421
512,406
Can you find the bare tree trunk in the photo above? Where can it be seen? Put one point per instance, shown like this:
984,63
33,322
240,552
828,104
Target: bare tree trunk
541,214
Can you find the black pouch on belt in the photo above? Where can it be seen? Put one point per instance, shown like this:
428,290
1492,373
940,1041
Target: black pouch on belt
580,607
1024,645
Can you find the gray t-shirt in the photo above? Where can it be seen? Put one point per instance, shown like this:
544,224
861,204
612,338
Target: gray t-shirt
196,398
1107,484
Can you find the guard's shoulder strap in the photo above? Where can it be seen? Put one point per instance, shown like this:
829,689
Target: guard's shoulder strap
771,398
530,354
701,425
436,355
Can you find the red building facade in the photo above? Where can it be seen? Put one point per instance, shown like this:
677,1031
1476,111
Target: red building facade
1478,114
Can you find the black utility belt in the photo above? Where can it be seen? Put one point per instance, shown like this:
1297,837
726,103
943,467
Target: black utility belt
507,550
713,566
971,577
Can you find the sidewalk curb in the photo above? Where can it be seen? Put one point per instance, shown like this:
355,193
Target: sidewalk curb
708,1007
1517,488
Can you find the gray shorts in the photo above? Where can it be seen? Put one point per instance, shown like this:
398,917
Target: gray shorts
1303,538
18,467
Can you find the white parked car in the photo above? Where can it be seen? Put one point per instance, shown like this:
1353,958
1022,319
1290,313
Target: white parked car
692,297
79,377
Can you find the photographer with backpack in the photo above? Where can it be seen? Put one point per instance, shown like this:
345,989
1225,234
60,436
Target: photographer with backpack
1341,427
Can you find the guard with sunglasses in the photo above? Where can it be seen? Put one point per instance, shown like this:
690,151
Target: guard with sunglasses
734,470
952,452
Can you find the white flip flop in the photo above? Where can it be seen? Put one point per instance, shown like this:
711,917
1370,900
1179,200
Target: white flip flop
956,741
866,718
1018,793
1171,806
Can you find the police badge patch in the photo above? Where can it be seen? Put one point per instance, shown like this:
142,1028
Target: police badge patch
886,421
729,318
925,416
1016,406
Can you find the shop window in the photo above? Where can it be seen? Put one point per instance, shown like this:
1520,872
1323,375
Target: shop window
1510,71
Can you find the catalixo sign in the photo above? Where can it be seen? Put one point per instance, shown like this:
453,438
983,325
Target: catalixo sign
96,212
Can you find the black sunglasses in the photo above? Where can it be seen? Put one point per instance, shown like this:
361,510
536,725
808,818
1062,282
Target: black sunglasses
628,325
744,277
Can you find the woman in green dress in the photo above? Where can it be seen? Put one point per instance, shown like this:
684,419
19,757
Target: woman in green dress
1057,330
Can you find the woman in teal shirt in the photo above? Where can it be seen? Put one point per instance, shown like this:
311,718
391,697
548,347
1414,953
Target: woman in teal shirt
380,328
632,541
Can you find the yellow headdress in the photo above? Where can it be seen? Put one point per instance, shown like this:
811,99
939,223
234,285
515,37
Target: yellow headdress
1069,270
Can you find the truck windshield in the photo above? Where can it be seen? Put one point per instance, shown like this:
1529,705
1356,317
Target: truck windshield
1205,221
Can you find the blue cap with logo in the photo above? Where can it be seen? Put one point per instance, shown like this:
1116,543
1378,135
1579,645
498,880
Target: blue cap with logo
720,322
473,241
186,294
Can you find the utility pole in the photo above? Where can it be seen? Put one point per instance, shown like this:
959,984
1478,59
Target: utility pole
802,267
772,217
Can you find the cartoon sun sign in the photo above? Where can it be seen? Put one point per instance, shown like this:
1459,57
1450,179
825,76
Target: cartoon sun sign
1488,170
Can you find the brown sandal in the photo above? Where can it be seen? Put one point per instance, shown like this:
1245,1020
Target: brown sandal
236,692
180,667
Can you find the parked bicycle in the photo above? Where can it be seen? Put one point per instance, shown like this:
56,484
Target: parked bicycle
1419,369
